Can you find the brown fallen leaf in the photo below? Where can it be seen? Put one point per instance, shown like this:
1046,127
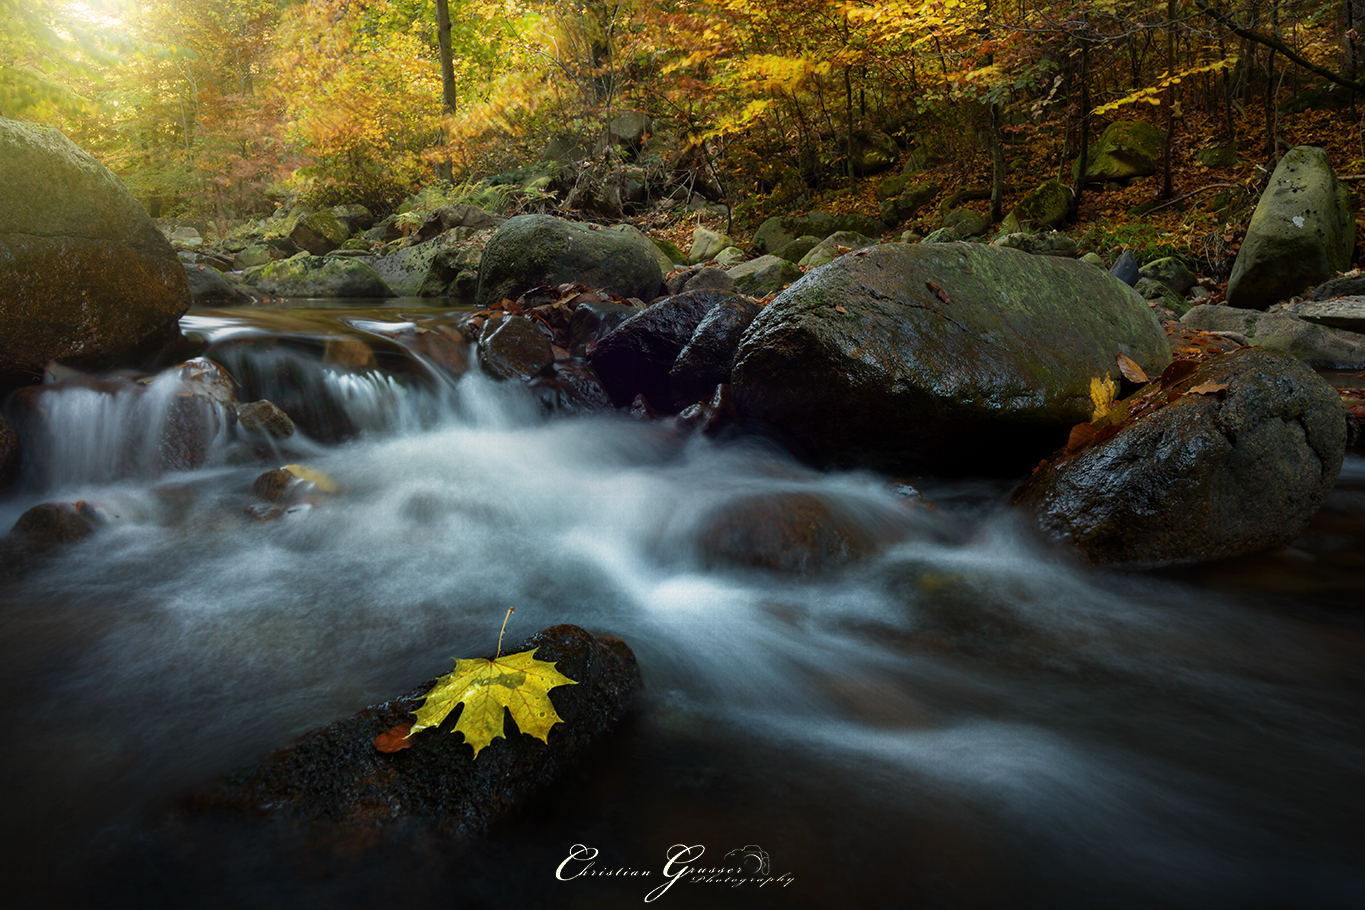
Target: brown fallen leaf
1131,371
394,739
840,309
1209,388
1177,371
1081,434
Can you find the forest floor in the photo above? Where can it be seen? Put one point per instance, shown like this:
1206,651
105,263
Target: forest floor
1203,221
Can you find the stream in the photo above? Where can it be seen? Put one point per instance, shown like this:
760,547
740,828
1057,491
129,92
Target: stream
967,718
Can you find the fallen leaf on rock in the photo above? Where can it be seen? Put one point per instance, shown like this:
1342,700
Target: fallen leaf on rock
1102,392
318,479
840,309
1131,371
1208,388
517,682
1081,434
1177,371
394,739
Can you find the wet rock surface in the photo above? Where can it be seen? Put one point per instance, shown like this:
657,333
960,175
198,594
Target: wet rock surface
516,348
706,359
335,780
929,356
1233,459
635,357
795,533
9,452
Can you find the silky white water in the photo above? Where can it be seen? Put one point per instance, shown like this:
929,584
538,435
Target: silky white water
966,717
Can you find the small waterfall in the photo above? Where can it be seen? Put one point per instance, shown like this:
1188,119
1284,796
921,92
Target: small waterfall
81,430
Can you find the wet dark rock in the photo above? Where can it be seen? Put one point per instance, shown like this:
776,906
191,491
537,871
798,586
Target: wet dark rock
571,387
529,251
9,452
439,346
88,280
1302,232
635,357
516,348
1340,287
1207,476
264,417
56,523
713,416
706,359
641,409
797,533
209,288
345,791
274,485
958,357
191,423
1126,269
593,320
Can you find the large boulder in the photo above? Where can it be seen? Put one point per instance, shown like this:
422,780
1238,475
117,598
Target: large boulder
317,276
1321,346
636,356
514,348
530,251
834,246
954,356
336,782
780,230
1233,459
705,361
1127,148
909,201
873,151
1302,232
86,278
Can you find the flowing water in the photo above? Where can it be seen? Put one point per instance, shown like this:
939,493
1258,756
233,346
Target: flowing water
967,718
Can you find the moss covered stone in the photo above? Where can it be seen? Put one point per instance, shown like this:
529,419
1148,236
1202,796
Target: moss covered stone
1045,207
1127,148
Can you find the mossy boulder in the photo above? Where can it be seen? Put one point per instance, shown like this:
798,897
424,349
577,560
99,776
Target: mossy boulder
707,244
908,203
529,251
317,276
1127,148
320,233
86,278
797,249
955,357
764,275
834,246
1046,207
873,151
778,231
1303,231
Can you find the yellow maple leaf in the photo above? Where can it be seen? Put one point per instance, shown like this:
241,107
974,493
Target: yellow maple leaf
517,682
1102,392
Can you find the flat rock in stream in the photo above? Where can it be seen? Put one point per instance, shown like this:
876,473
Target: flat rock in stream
336,781
1339,313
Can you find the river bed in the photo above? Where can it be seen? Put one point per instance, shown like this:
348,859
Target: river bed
967,718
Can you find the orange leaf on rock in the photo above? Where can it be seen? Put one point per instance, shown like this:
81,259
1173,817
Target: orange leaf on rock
1180,369
394,739
1081,434
1209,388
1130,370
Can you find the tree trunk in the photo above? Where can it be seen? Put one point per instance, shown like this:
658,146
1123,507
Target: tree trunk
1171,103
448,99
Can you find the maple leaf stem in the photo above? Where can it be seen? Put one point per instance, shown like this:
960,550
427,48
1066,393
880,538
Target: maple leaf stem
510,611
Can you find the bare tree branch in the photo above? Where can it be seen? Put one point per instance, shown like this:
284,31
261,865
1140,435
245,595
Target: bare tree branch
1278,45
